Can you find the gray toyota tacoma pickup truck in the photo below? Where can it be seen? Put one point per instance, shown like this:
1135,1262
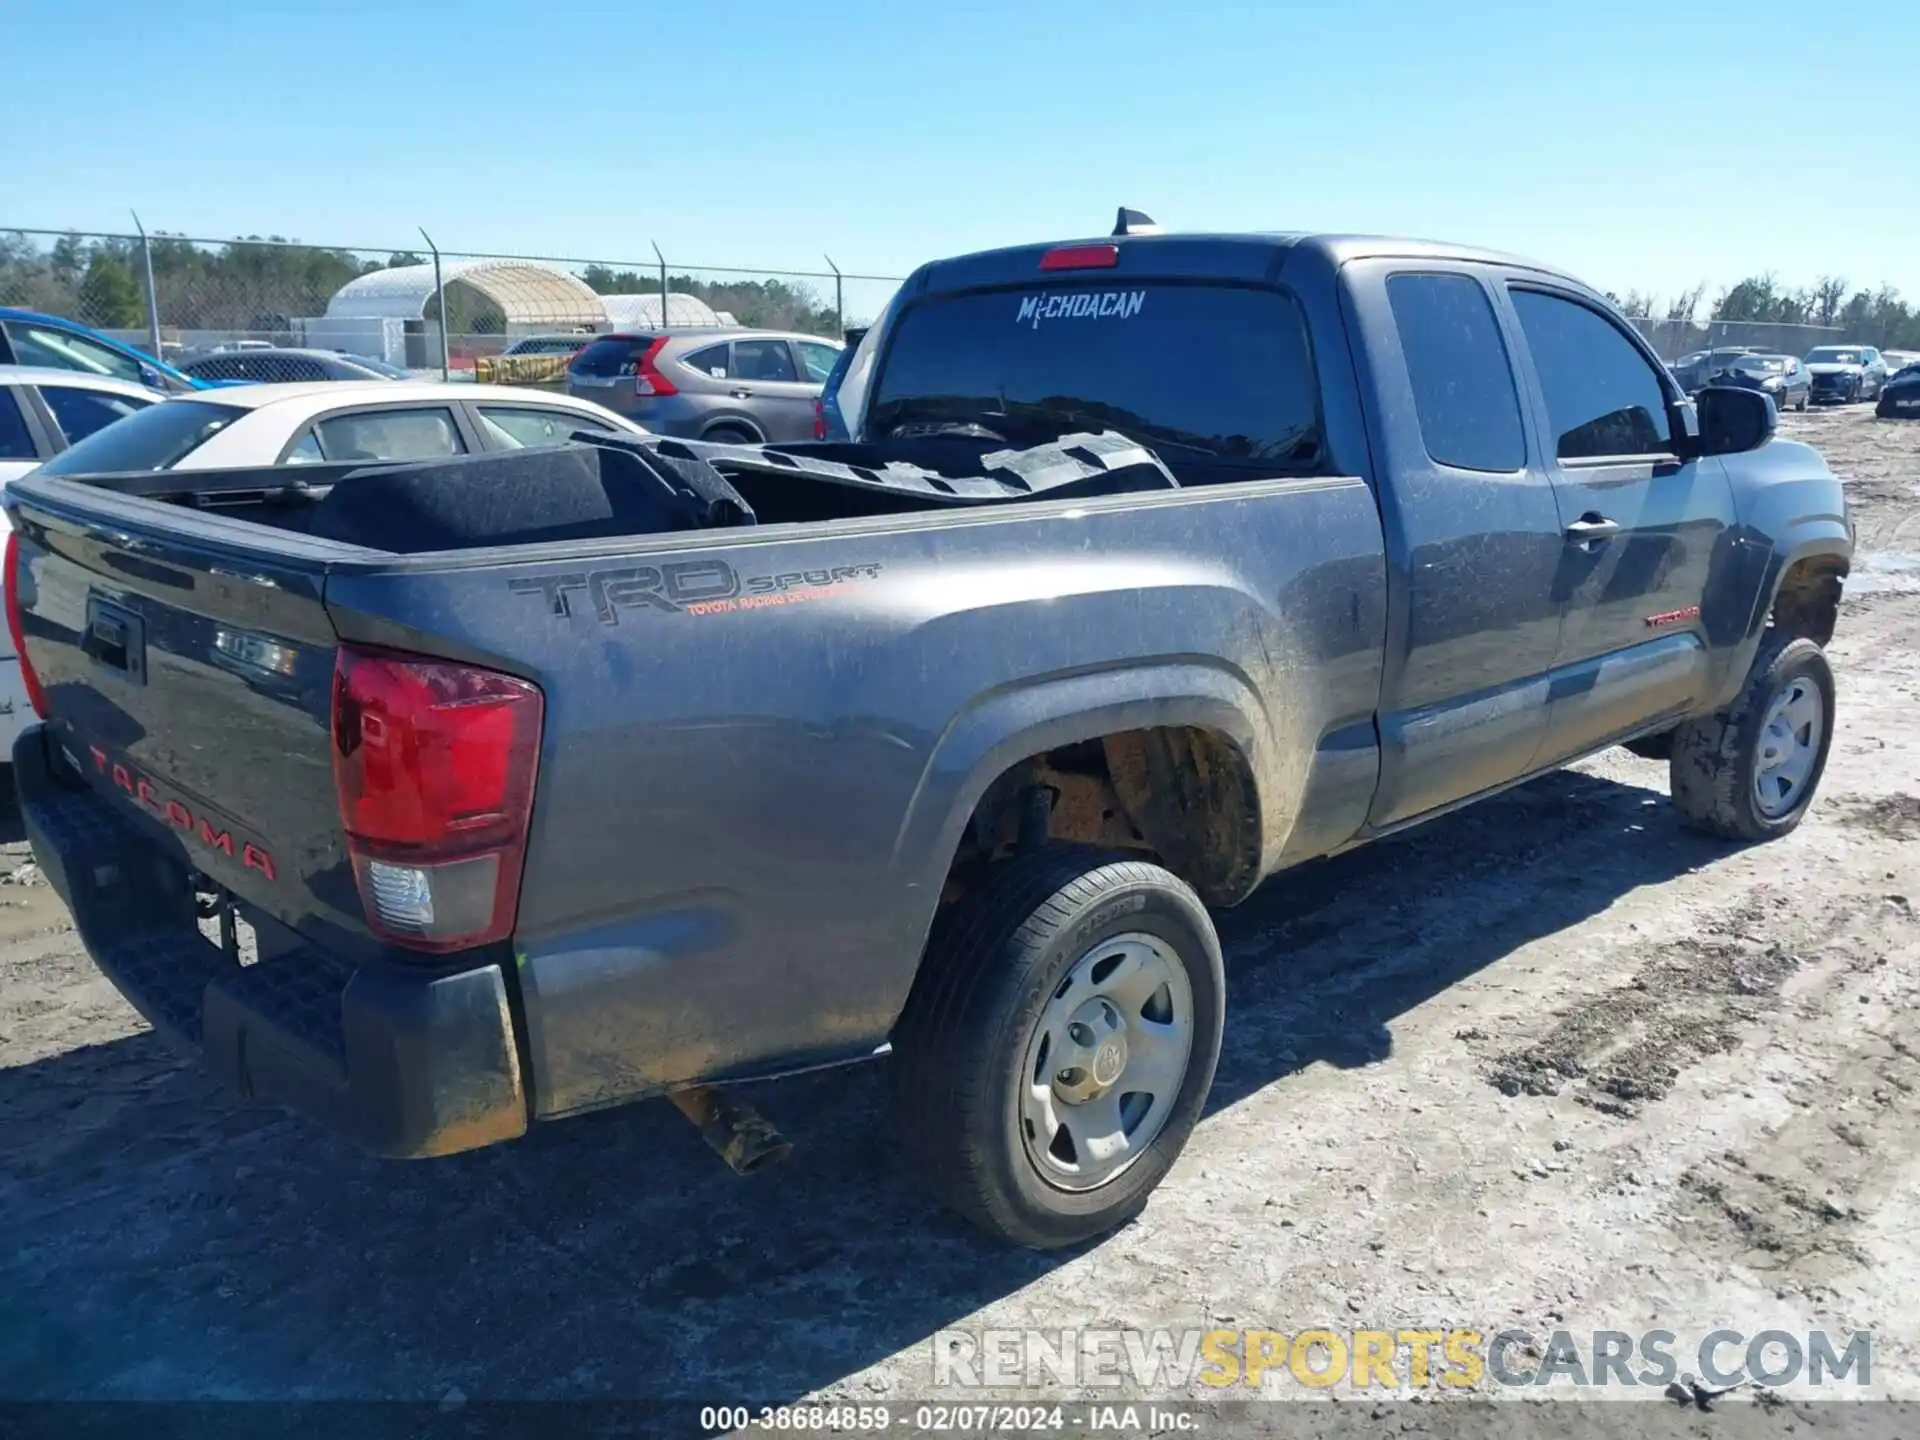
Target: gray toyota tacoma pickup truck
443,799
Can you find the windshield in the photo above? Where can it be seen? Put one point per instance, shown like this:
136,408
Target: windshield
380,367
1832,355
1759,365
1211,376
154,439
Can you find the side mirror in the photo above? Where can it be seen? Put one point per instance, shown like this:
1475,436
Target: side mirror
1734,420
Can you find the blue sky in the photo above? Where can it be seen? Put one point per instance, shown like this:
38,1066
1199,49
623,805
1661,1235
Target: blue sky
1638,145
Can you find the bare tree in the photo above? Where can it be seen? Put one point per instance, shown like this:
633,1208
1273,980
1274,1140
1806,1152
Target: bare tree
1687,303
1828,295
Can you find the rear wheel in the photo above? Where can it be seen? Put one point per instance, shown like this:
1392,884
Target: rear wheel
730,435
1750,772
1059,1043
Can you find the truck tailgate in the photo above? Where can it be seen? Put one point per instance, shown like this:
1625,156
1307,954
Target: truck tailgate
188,666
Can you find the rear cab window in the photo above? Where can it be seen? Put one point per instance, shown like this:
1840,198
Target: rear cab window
1463,389
157,437
1217,379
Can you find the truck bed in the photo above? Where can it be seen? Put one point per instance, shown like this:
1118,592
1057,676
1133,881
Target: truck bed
751,712
602,487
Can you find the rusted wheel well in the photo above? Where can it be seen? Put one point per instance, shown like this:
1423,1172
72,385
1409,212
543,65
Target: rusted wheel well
1807,604
1183,795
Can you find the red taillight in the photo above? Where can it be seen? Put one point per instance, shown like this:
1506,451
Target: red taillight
35,693
648,380
819,418
1081,257
434,763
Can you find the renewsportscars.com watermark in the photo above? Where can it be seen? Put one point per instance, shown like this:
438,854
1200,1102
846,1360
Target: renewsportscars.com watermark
1448,1357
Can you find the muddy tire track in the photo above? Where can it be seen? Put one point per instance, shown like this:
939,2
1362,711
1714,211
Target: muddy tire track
1689,998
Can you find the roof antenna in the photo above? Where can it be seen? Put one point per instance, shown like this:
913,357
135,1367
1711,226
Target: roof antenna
1134,222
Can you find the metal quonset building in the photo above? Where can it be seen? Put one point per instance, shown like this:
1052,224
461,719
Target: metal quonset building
395,314
639,312
498,296
398,310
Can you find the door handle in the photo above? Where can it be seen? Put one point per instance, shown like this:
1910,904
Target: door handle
1592,529
741,394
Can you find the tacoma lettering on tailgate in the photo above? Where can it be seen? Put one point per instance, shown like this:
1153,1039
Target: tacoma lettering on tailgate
144,793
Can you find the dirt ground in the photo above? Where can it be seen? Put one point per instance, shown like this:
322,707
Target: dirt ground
1551,1063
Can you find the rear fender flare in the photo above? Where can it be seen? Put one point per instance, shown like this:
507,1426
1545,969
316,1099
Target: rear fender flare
1009,725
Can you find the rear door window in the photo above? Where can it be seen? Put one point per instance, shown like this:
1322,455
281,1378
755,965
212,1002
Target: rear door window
1603,397
766,360
1462,382
1218,379
390,435
80,412
16,441
711,361
515,429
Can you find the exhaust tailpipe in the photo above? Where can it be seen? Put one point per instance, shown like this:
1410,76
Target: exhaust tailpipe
737,1133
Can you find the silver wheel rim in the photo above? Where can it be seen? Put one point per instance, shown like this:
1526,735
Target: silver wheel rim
1104,1065
1789,746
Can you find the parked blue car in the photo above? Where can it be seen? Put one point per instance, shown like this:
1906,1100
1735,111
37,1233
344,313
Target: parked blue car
30,338
828,422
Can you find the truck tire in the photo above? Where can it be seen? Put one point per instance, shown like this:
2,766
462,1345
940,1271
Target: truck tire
1072,970
1750,772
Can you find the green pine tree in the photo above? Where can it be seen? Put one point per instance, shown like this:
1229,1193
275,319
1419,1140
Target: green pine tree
108,297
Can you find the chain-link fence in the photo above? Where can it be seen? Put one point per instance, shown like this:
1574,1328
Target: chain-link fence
232,309
1676,339
236,309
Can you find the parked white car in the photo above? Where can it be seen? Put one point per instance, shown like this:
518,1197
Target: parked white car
81,424
312,423
43,411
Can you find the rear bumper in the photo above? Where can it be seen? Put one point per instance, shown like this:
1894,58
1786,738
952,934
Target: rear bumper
404,1063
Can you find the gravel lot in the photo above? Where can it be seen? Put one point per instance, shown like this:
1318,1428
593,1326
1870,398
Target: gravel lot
1550,1063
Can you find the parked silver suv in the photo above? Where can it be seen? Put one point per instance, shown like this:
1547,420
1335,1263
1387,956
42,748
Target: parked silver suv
738,386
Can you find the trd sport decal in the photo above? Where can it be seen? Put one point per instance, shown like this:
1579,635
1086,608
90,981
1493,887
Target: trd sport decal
1673,617
686,587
